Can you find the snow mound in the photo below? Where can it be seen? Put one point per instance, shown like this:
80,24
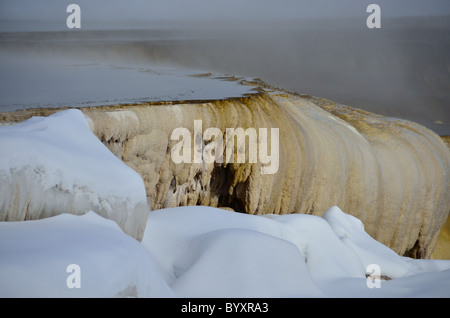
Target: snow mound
35,259
208,252
239,263
55,163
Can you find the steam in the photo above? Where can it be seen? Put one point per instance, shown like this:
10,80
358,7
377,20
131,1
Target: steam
321,47
145,10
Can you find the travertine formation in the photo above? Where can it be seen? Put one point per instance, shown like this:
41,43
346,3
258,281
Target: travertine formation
391,174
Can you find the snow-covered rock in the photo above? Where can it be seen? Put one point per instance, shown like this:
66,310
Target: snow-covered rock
55,164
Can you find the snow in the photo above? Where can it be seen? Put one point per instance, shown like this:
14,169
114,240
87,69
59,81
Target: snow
191,251
34,256
53,164
202,252
351,232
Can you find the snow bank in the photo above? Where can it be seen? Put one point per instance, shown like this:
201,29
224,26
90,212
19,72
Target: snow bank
55,164
35,258
209,252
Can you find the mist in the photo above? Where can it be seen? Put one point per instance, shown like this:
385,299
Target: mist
321,47
145,10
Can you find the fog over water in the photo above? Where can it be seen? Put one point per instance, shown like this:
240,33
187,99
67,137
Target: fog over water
323,48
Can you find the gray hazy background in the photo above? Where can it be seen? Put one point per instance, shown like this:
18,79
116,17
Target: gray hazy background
318,47
145,10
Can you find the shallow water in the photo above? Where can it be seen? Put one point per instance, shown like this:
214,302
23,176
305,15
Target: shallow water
44,82
401,70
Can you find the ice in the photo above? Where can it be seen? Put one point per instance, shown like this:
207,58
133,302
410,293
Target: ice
51,165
